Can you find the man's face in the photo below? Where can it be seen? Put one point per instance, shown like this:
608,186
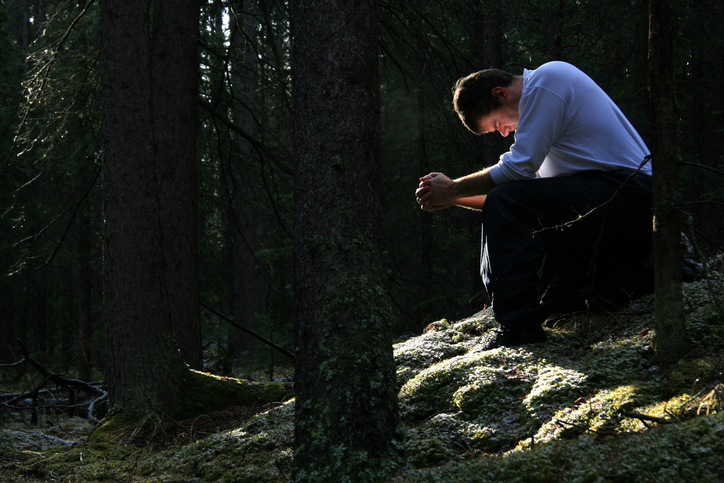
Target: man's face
503,120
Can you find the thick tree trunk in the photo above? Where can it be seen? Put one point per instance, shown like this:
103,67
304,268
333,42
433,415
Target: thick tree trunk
347,424
175,90
672,341
145,371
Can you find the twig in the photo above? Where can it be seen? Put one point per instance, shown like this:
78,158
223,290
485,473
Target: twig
254,334
581,217
646,417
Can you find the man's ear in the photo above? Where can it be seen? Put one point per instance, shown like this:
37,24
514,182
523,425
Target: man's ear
500,92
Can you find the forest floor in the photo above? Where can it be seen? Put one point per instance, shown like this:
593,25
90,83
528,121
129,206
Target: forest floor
588,405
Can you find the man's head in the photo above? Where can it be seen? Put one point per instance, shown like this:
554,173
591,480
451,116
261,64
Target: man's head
473,96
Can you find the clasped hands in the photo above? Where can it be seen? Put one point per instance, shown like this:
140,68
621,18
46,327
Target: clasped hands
436,192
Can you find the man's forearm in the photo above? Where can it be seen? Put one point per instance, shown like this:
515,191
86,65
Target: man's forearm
472,202
474,184
436,191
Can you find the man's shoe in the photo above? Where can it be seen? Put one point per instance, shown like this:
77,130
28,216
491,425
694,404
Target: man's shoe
502,337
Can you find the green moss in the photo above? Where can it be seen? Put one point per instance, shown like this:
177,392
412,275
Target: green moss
101,434
691,376
443,342
259,451
554,387
561,411
205,393
208,392
691,451
276,392
427,447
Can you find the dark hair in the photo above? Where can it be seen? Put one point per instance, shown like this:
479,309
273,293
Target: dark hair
473,97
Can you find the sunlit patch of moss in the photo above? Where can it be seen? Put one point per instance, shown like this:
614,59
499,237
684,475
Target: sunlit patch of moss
709,400
445,341
476,325
498,397
416,354
600,410
554,387
432,389
468,382
690,451
490,392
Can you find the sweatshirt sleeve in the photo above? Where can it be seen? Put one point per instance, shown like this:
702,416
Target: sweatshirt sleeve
543,118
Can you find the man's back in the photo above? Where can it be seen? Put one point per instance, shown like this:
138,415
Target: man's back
568,124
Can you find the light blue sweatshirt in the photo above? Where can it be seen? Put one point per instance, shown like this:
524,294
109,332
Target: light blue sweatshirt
568,124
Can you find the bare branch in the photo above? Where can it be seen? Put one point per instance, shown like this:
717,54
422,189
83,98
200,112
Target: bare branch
704,166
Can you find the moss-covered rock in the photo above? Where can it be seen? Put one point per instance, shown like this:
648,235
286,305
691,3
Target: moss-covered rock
208,392
442,340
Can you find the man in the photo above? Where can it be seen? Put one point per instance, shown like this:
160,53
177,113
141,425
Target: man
567,212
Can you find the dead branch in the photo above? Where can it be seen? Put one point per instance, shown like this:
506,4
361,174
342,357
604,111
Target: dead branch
646,417
15,401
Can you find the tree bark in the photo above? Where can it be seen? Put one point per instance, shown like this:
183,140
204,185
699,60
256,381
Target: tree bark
175,80
145,371
486,35
84,302
250,286
347,424
555,31
672,341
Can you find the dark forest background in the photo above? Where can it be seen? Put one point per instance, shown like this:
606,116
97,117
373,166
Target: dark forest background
50,157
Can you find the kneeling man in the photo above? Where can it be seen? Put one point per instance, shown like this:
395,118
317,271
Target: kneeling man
567,212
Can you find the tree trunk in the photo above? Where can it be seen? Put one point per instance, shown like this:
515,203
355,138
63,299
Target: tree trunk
347,423
249,288
486,35
85,311
672,341
145,371
555,32
175,64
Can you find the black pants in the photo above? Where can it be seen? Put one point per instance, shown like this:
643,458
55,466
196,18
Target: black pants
554,245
